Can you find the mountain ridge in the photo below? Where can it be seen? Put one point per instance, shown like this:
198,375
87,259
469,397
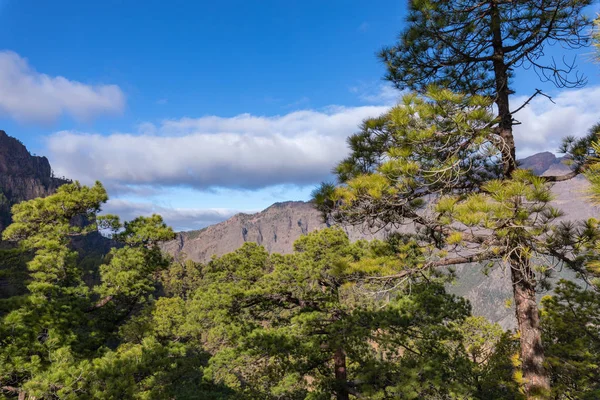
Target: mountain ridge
258,227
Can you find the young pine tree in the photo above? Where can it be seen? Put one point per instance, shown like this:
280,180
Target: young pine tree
571,329
54,338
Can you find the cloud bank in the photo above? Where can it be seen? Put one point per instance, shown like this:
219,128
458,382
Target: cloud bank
544,124
252,152
245,152
29,96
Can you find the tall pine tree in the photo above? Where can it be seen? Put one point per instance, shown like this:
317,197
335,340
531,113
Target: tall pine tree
472,47
434,162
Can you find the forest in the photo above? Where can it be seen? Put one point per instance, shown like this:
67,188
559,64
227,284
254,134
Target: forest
337,319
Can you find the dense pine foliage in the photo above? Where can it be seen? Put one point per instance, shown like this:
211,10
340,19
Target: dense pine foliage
335,319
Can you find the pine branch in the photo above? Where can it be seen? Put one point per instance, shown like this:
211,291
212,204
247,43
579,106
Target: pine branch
537,92
440,263
101,303
561,178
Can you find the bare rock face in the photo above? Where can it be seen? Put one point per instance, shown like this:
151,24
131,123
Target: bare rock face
276,228
22,176
540,162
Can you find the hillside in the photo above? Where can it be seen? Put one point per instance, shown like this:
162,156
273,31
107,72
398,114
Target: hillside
24,176
278,226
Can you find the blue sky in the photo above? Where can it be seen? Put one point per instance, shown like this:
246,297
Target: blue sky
200,109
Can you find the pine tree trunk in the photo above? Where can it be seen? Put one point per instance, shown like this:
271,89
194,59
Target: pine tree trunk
341,375
535,379
532,352
507,147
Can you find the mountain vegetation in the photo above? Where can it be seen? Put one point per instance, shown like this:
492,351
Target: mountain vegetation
335,318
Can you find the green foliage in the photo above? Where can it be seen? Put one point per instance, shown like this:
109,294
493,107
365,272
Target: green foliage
466,45
181,279
441,151
571,323
276,323
333,319
592,171
59,338
490,351
596,34
13,274
436,162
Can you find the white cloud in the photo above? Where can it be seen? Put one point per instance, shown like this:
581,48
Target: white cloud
251,152
245,151
377,93
29,96
180,219
544,124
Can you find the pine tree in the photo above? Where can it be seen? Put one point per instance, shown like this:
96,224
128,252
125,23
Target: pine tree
571,315
324,322
571,329
436,162
54,337
475,47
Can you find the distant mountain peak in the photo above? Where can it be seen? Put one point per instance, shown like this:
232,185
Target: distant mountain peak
540,162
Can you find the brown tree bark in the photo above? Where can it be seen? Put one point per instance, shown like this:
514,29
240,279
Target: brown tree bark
507,146
532,352
535,379
341,375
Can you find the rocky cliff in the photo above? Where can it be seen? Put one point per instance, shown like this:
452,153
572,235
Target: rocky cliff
541,162
22,176
276,228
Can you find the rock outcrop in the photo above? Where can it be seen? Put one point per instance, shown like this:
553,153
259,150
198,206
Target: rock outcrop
540,162
22,176
276,228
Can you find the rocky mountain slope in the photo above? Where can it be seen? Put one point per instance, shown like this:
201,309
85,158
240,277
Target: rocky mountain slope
277,227
22,176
